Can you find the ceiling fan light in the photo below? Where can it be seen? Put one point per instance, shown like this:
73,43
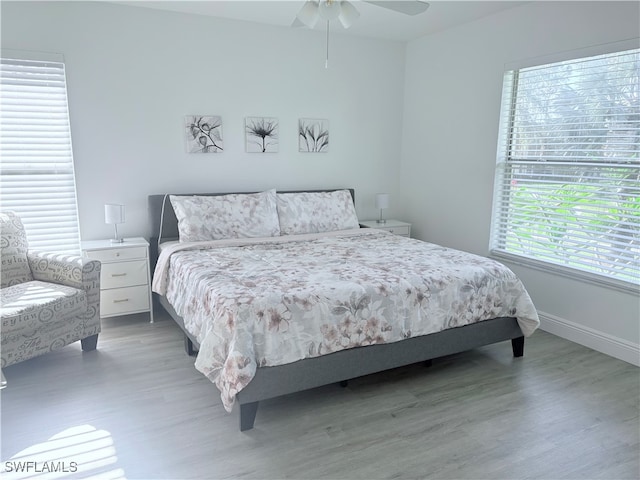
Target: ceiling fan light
309,14
348,14
329,9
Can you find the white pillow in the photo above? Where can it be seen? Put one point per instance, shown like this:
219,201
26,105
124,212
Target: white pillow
236,215
316,212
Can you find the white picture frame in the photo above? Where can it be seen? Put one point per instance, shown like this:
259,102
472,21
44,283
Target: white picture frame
203,133
261,134
313,135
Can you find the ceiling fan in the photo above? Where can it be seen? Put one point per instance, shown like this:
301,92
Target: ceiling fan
327,10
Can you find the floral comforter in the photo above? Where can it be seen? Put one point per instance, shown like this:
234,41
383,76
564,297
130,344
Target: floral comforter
263,302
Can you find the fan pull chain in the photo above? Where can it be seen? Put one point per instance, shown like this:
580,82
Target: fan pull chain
326,62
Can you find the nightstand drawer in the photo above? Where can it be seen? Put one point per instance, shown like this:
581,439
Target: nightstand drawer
116,254
123,274
396,227
119,301
404,231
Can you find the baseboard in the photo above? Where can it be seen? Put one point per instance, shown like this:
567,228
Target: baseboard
589,337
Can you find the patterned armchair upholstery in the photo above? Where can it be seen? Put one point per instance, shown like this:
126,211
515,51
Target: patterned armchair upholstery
47,301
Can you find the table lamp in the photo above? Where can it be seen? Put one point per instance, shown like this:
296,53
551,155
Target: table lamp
382,202
114,214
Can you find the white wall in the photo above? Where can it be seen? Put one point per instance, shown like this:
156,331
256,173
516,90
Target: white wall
453,86
134,73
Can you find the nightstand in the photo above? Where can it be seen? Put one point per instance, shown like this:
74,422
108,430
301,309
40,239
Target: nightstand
394,226
125,281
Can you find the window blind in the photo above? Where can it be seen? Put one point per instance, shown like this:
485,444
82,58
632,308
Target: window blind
567,189
36,162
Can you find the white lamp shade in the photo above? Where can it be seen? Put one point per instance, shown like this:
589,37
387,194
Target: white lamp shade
309,14
382,200
113,213
348,14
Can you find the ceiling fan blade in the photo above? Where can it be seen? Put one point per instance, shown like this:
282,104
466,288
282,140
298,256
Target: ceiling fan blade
297,23
408,7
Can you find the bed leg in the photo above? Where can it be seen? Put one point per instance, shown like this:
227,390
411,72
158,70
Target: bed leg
517,344
188,346
248,415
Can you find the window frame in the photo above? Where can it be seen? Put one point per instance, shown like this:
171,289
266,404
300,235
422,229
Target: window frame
500,198
50,217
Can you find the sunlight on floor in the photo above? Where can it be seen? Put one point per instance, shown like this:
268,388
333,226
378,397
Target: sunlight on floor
80,451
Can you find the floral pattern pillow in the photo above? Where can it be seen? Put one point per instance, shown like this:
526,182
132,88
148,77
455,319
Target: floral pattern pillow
316,212
236,215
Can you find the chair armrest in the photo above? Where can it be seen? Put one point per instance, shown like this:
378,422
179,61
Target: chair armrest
72,270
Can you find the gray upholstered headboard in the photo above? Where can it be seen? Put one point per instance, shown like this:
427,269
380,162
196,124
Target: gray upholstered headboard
164,224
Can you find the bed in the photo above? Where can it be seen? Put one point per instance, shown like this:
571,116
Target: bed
279,292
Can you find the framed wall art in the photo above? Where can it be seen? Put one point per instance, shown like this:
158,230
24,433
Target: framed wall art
203,133
261,134
313,135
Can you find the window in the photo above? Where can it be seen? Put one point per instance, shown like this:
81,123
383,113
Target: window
36,162
567,190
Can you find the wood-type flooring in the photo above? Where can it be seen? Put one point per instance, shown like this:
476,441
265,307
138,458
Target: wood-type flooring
137,409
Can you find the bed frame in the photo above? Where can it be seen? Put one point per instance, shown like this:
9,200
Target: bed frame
270,382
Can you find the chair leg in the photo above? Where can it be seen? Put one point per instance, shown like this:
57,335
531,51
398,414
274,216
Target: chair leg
89,343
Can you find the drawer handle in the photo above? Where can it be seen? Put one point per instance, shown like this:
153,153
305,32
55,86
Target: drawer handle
117,254
118,274
121,301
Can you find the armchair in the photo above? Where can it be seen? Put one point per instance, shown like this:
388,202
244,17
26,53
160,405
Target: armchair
47,300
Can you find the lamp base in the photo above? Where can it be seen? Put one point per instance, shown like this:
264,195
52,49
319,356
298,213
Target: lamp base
382,220
116,238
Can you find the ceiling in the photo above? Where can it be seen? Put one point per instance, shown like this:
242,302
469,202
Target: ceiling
374,21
